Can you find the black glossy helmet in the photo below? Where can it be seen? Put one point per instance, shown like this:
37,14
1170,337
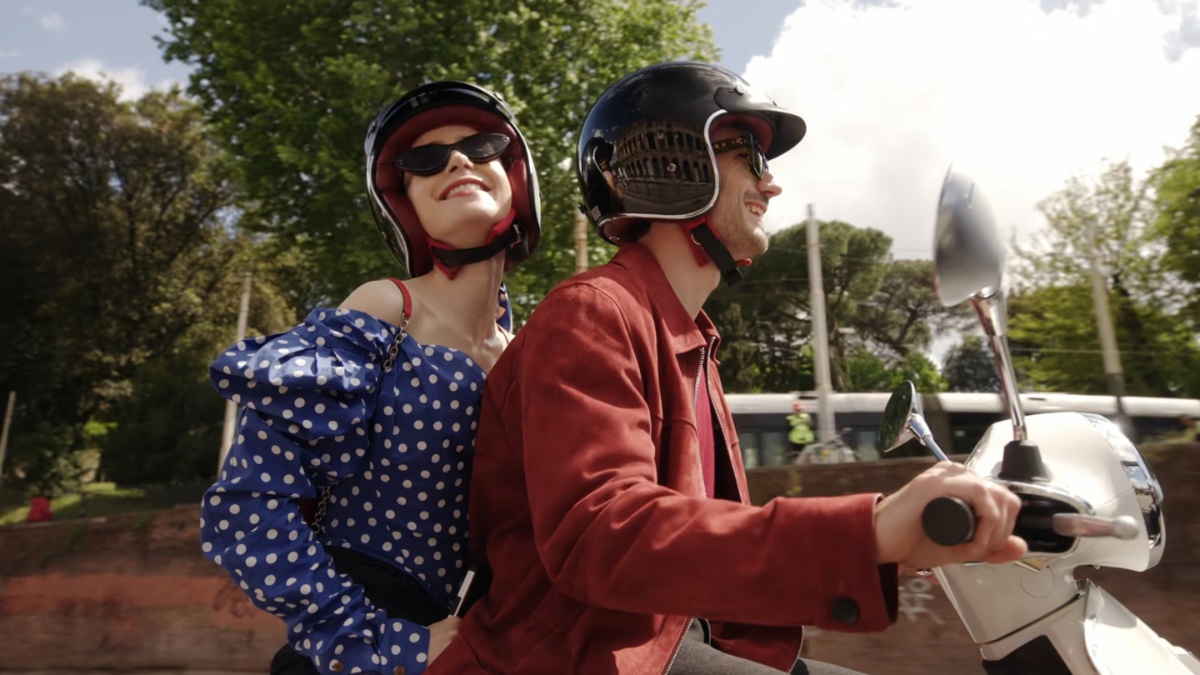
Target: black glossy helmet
425,108
645,151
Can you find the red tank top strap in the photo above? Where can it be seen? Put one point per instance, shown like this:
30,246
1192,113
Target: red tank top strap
407,297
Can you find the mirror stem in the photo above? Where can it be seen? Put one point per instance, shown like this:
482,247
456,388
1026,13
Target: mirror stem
990,309
921,429
1009,384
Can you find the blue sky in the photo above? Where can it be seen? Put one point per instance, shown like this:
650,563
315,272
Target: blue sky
1027,93
118,36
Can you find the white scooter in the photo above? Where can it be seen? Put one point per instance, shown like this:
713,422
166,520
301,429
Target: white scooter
1088,498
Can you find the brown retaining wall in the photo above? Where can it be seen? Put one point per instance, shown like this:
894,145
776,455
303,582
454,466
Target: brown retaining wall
132,592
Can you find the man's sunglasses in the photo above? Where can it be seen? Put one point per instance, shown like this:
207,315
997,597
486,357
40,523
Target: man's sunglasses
756,159
427,160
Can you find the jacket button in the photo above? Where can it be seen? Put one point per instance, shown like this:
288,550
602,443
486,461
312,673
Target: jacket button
336,666
845,611
398,670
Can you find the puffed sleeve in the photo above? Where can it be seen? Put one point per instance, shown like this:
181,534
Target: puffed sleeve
307,396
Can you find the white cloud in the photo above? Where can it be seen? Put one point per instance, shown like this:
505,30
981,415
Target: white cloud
52,22
8,54
131,80
1024,98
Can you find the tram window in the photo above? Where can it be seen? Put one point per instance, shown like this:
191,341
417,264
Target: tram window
775,448
862,442
748,440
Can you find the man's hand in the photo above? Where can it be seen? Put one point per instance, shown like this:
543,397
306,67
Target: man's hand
899,537
440,635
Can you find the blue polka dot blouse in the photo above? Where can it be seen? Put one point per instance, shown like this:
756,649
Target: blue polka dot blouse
319,410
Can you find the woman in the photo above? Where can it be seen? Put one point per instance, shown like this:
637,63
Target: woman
371,408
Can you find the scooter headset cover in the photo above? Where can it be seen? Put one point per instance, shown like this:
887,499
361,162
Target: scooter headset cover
393,133
645,151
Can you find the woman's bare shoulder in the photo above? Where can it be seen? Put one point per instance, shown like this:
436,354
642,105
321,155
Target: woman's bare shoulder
381,299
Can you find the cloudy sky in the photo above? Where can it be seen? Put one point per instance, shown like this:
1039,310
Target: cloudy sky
1026,93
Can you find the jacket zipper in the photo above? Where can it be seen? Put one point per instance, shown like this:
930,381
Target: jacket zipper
737,483
679,646
696,412
798,651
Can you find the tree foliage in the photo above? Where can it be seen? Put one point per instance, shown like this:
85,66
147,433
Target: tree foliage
1177,197
1108,223
880,313
970,366
114,246
291,87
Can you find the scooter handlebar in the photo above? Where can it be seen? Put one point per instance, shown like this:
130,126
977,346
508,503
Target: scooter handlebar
948,521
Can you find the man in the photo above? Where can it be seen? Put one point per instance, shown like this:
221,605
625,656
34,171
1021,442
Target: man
614,518
800,434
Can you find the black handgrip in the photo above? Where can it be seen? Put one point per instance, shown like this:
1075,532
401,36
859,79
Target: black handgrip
948,521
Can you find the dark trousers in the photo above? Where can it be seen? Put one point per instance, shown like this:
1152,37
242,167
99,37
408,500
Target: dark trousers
697,657
388,588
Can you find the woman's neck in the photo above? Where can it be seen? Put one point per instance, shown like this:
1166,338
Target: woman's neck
459,310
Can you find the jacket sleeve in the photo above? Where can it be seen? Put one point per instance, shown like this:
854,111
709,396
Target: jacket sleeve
609,534
308,397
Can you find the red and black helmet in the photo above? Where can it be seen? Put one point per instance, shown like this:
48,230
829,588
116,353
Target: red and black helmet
426,108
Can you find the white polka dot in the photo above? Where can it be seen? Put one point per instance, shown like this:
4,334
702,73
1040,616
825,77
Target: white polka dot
333,425
235,509
251,562
214,500
266,477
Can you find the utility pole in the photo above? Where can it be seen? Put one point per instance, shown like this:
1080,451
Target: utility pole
1108,338
231,407
8,415
825,423
581,238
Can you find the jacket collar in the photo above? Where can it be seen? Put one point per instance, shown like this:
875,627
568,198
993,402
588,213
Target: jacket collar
685,333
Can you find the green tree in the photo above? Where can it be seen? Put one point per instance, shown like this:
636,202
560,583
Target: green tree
291,87
1052,331
875,306
866,371
970,366
114,244
1177,196
1053,326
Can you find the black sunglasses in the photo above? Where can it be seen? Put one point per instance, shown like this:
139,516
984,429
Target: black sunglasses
756,159
427,160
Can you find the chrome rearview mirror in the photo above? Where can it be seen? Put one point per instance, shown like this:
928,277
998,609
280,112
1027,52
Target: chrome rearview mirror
969,265
968,253
903,420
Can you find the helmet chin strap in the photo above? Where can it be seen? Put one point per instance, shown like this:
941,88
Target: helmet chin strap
450,260
707,247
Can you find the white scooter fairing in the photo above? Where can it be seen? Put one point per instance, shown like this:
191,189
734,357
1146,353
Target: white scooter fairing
1094,470
1087,496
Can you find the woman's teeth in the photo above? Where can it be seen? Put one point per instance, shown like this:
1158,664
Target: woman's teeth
465,187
